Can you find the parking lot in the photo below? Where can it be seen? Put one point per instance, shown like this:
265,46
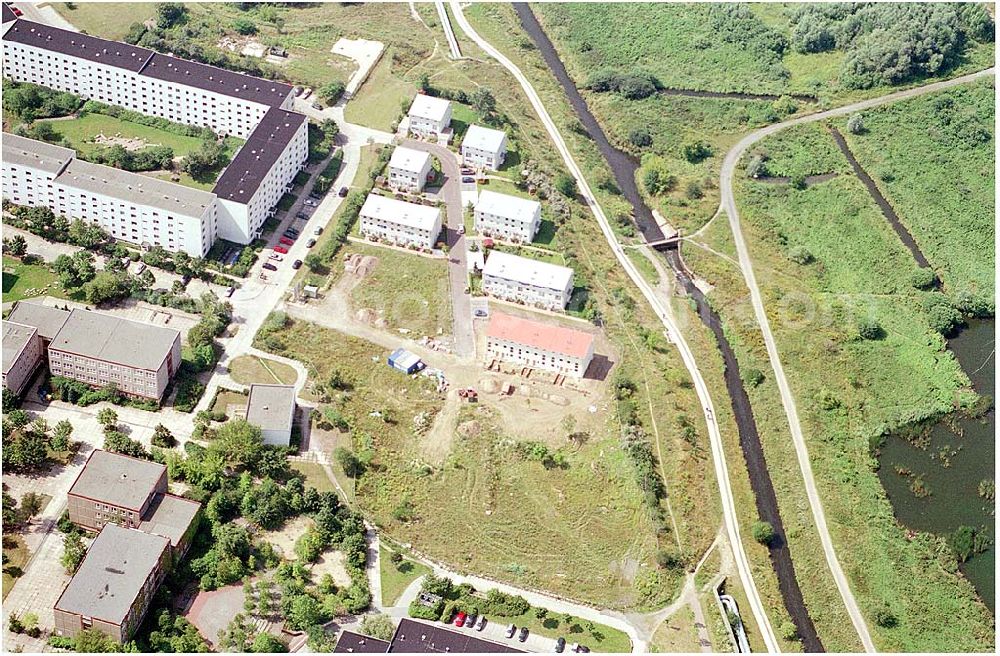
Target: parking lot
497,632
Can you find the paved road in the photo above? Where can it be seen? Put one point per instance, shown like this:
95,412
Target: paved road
456,52
458,277
728,204
675,335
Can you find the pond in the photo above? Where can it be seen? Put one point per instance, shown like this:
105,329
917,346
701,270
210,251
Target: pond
929,496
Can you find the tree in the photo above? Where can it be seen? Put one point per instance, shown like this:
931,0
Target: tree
60,435
303,612
396,559
762,532
923,278
239,443
169,14
483,102
118,442
856,124
266,643
962,542
73,552
348,462
331,92
94,641
107,417
884,617
756,168
245,26
31,503
162,437
640,138
203,161
16,246
378,626
566,185
696,151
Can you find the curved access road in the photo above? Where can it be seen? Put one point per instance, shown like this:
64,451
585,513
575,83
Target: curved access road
675,335
728,204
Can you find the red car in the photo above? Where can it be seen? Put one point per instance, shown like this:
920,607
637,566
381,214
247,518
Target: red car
460,619
281,249
286,241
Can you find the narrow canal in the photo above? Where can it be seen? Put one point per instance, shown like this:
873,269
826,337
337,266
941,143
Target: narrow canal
624,168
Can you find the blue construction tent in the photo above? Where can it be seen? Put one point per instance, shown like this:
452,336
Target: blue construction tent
403,360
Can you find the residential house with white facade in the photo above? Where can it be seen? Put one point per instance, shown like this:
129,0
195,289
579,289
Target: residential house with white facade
400,223
408,169
539,345
507,217
429,115
484,148
523,280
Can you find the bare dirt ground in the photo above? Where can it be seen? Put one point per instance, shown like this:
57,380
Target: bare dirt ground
333,563
129,144
365,53
283,539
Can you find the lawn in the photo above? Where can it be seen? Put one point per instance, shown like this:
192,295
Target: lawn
226,398
678,634
396,578
382,99
802,150
851,390
80,133
110,21
22,281
408,291
249,369
15,558
315,476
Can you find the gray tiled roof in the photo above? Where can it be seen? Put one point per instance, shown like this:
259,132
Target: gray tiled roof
219,80
254,160
113,339
24,152
15,336
117,480
112,574
136,188
269,406
170,516
101,51
48,320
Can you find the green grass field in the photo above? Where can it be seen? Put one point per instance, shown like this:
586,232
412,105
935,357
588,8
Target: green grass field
249,369
379,103
802,150
14,557
22,281
315,476
110,21
80,133
396,578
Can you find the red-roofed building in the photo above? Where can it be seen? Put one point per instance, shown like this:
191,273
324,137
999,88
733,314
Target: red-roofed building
539,345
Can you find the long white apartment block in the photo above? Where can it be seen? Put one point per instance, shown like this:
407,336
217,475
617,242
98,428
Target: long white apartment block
400,223
523,280
409,168
539,345
429,115
484,148
131,207
507,217
182,91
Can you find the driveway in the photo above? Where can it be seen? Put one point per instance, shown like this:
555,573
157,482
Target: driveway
451,192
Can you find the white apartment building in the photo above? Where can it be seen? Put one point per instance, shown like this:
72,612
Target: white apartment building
100,349
260,174
22,353
484,148
429,115
409,168
134,208
507,217
538,345
399,223
179,90
523,280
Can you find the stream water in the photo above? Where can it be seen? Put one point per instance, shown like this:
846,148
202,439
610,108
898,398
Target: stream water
954,489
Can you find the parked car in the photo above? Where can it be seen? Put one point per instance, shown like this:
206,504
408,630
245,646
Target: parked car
481,313
460,619
281,249
229,291
142,267
292,230
560,644
481,624
185,279
302,215
296,264
318,231
289,235
523,634
310,202
270,267
310,243
317,106
511,630
286,241
461,230
470,621
467,171
468,179
342,192
274,256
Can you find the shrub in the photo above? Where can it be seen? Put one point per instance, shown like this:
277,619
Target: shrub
752,377
245,26
800,255
762,532
696,151
856,124
923,278
331,92
868,328
884,617
756,168
566,185
640,138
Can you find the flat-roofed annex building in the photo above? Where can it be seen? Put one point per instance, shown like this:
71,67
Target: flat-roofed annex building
508,217
272,408
400,223
484,148
539,345
523,280
100,349
47,319
429,115
22,353
112,589
114,488
409,168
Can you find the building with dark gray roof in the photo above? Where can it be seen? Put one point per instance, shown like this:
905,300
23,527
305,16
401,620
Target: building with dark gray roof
350,642
114,585
47,319
174,518
78,45
217,80
414,637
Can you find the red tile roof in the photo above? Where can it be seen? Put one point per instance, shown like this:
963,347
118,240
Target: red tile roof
543,336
